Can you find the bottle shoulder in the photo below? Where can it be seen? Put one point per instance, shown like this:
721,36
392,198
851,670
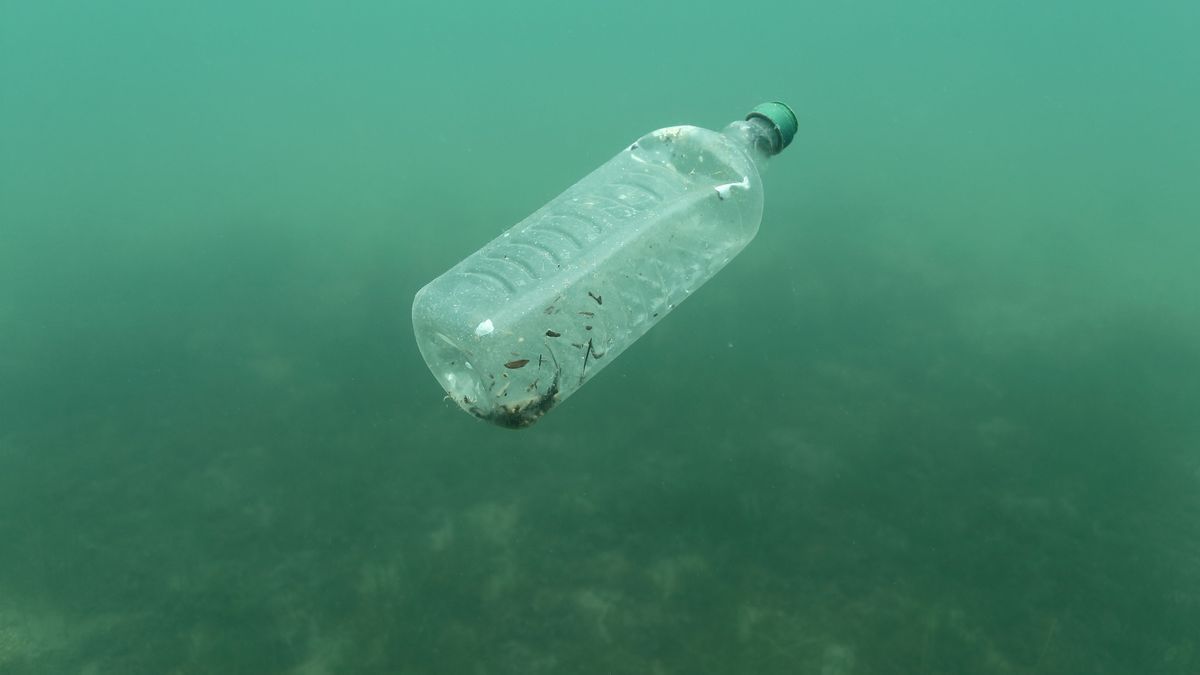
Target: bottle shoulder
699,153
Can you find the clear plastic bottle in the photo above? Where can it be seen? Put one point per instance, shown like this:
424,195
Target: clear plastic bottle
521,324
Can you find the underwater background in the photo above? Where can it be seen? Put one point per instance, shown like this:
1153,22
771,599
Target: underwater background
942,415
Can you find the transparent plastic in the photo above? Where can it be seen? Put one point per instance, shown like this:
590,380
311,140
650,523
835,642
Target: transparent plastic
520,325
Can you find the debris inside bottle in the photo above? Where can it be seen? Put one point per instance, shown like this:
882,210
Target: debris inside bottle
523,413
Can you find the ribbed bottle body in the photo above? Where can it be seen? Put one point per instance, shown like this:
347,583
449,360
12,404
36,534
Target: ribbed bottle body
521,324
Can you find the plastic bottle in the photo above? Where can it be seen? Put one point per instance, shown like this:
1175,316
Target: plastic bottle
520,325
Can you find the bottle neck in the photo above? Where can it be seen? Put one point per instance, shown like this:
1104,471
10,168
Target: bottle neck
757,137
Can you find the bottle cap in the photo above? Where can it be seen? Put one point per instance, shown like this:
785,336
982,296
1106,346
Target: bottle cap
781,117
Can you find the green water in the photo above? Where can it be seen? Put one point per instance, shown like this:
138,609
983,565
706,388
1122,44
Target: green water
942,416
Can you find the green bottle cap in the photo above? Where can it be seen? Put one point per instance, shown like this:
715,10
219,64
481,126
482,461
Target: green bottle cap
781,117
